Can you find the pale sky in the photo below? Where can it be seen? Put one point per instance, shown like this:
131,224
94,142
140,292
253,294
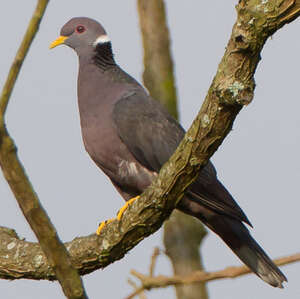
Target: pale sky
258,162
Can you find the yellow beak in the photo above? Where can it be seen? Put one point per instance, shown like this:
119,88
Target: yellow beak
60,40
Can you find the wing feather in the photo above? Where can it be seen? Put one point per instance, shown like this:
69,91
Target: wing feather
152,136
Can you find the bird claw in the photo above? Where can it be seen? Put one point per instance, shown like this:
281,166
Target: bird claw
102,224
119,215
124,208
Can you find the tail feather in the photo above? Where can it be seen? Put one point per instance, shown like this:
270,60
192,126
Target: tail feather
260,265
237,237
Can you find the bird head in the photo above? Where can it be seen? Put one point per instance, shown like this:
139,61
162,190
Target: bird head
81,34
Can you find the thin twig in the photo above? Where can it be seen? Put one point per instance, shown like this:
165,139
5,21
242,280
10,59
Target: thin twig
21,54
161,281
138,290
154,257
15,175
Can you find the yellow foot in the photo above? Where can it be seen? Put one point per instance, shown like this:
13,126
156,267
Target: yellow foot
127,204
119,216
102,224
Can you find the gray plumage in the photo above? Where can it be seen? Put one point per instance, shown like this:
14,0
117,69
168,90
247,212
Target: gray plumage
130,136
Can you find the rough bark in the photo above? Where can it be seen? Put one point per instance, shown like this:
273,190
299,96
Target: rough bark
232,87
182,234
57,255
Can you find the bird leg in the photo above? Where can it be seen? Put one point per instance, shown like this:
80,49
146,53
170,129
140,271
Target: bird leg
119,215
124,208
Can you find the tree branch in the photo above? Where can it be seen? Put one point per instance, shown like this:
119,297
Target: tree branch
21,54
183,237
19,183
232,88
161,281
183,230
158,73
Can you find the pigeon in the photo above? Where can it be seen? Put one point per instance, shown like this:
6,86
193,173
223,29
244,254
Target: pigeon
129,136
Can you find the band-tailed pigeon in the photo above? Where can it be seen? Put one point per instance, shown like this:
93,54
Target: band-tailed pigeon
130,136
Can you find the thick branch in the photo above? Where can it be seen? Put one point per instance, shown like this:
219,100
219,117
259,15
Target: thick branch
158,73
21,259
15,175
183,236
232,87
187,232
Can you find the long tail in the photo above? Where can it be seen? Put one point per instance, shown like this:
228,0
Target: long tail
235,234
239,240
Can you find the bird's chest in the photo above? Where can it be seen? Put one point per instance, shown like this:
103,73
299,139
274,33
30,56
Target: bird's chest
103,144
101,140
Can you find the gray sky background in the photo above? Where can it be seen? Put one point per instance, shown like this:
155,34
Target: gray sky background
258,162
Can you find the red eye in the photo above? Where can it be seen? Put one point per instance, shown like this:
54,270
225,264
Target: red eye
80,29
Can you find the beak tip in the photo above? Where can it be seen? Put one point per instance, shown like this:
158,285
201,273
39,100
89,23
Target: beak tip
60,40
